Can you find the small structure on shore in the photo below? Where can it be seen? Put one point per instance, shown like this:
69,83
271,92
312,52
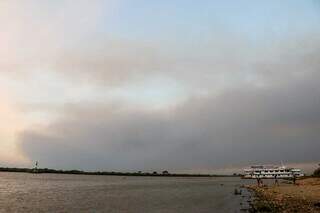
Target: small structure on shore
35,169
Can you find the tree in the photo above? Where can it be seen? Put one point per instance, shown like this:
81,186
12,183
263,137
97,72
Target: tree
317,172
165,172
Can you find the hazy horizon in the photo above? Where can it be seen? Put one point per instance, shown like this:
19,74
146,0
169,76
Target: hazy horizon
159,85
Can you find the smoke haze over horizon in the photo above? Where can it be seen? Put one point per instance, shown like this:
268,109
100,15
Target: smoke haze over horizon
146,85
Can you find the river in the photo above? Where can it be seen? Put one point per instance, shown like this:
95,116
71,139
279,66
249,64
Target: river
23,192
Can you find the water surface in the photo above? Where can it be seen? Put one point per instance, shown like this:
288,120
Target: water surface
23,192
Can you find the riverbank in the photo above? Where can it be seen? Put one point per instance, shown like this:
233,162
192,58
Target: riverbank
287,197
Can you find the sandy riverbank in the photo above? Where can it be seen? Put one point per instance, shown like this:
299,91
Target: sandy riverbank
287,197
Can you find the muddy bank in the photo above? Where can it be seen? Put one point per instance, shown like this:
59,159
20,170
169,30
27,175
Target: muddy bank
304,196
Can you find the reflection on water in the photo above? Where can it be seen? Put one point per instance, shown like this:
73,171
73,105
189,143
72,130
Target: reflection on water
20,192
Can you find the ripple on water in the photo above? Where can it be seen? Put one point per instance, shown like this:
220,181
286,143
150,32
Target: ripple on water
22,192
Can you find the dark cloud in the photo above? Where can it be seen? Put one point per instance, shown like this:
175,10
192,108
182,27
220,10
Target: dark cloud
243,125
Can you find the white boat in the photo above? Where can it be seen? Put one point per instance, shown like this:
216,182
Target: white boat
271,172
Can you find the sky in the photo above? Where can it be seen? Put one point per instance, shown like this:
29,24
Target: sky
175,85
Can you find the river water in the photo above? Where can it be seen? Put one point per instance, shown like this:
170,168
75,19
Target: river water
23,192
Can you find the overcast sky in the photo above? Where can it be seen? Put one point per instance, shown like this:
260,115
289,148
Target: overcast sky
180,85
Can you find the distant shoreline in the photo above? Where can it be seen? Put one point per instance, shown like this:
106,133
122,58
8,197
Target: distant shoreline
112,173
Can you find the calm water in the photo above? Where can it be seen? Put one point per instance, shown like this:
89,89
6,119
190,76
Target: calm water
21,192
